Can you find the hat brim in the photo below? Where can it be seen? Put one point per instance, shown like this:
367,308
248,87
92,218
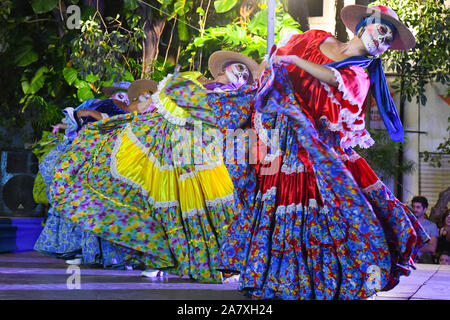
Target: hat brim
109,91
219,59
139,86
351,15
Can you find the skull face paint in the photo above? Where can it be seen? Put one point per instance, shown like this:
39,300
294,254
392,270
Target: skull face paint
377,38
238,74
144,96
121,96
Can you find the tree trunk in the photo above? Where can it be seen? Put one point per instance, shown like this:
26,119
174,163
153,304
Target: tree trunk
153,30
340,30
440,207
60,20
97,4
298,9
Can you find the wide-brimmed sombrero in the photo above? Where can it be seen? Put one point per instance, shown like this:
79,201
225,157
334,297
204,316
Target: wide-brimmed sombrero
116,86
140,86
219,59
351,15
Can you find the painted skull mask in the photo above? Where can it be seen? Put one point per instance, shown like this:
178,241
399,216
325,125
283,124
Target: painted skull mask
377,38
237,73
144,96
121,96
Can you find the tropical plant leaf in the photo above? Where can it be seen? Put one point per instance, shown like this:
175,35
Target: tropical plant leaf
130,4
42,6
38,80
25,56
91,78
84,93
222,6
25,85
183,32
70,75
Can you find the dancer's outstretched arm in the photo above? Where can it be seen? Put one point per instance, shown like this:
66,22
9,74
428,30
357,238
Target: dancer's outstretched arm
318,71
87,112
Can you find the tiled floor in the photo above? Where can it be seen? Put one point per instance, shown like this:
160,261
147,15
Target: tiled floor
31,276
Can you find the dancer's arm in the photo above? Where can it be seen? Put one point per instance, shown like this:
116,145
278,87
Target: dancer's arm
57,127
318,71
87,112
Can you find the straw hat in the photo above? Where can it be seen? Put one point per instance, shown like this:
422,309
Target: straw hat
109,91
351,15
219,59
140,86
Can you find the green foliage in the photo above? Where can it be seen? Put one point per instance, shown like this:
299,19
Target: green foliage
244,34
52,67
100,57
444,148
429,60
43,6
47,143
382,156
222,6
5,11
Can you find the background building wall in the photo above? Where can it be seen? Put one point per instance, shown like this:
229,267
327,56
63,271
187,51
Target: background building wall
430,119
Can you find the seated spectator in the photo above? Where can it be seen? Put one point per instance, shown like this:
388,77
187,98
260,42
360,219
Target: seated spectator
419,208
444,258
444,234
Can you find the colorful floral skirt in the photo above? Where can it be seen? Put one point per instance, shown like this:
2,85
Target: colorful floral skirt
322,225
147,184
63,239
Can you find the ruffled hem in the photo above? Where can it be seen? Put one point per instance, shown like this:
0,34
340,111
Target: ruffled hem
161,169
377,185
350,124
160,107
299,251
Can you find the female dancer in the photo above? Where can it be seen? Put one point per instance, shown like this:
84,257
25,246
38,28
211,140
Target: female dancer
155,184
323,226
61,238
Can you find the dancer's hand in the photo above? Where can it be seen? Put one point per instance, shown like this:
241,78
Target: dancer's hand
286,60
58,127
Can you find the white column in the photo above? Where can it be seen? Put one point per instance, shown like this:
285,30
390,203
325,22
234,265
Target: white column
270,25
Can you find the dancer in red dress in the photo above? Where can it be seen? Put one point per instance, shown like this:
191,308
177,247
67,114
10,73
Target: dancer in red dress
323,226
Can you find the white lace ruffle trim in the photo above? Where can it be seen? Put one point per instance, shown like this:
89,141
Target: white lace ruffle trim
312,204
377,185
159,105
113,166
294,169
152,201
272,192
357,135
351,158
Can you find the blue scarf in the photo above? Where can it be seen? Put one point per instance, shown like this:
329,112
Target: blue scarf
379,90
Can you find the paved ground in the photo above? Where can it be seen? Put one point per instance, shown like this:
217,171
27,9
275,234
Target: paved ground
31,276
